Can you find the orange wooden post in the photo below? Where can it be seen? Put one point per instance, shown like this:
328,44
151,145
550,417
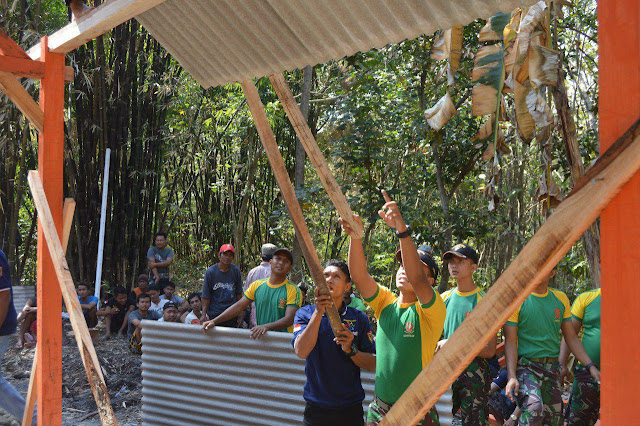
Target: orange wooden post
619,107
50,162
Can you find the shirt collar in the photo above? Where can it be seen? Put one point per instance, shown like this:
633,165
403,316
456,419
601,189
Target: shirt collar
344,309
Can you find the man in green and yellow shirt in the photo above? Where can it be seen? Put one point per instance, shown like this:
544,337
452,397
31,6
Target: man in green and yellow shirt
584,403
276,299
409,325
532,346
470,390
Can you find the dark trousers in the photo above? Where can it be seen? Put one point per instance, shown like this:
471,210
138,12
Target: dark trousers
348,416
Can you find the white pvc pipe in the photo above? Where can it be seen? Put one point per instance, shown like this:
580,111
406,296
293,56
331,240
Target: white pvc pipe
103,220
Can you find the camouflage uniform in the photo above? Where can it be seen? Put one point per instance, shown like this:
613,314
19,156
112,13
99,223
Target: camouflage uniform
584,404
378,409
540,396
471,394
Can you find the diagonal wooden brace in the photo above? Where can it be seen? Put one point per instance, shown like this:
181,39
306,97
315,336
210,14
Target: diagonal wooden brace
313,151
534,263
23,100
288,193
67,220
83,338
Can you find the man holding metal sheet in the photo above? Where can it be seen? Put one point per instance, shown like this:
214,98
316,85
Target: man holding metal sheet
409,325
333,390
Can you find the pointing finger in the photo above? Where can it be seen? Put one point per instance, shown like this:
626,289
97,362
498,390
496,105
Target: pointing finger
385,195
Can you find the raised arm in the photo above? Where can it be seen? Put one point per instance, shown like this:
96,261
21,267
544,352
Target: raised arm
358,263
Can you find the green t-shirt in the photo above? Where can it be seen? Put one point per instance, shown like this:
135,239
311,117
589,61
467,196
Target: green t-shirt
586,309
459,305
272,300
357,303
405,342
538,320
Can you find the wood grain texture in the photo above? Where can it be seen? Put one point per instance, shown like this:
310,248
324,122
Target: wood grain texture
536,260
9,47
313,152
80,330
108,15
22,99
29,68
288,193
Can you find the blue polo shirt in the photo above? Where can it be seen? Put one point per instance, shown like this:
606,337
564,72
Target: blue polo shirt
8,326
333,380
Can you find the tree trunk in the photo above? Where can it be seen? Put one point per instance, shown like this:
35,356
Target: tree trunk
444,201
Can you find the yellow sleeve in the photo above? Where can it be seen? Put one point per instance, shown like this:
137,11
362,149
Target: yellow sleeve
250,293
434,313
294,296
577,310
383,298
513,319
446,294
565,302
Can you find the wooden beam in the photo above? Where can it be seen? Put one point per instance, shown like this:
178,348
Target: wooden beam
97,22
50,166
9,47
22,99
68,290
67,219
288,193
28,68
618,107
534,263
313,151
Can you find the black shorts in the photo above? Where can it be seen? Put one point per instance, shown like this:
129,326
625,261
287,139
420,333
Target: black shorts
347,416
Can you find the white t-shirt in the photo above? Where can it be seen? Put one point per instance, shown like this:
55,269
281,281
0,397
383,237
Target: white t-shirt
192,319
159,306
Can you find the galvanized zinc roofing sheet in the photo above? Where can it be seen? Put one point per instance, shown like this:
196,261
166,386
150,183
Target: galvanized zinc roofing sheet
223,41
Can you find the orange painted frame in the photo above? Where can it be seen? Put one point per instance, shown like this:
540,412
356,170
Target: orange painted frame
619,107
50,166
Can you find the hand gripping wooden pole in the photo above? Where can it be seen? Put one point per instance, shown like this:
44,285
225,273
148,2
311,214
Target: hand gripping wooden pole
67,220
286,188
83,338
534,263
313,151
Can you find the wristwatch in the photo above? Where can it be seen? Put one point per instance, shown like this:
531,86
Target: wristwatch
354,350
404,234
513,417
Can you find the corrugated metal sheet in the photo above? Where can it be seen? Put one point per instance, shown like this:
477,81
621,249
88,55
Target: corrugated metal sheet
225,378
21,294
223,41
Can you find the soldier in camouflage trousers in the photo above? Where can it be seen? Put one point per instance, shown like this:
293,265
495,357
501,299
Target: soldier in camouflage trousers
539,397
584,403
471,394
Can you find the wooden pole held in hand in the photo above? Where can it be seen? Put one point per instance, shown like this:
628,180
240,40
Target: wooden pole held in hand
286,188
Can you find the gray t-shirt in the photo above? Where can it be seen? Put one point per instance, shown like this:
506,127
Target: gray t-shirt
175,299
160,256
222,288
151,315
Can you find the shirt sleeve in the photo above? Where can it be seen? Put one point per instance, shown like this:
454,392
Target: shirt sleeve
567,307
380,300
513,319
238,281
366,340
170,255
206,291
294,296
150,253
434,313
251,291
300,322
577,310
5,279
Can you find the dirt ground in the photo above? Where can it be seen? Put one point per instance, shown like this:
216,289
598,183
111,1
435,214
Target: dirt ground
121,369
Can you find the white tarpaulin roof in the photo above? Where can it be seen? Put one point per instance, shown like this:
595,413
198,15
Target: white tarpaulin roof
223,41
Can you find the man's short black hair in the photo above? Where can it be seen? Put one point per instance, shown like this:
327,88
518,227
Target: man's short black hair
340,265
159,234
303,287
119,290
166,283
143,296
192,295
154,287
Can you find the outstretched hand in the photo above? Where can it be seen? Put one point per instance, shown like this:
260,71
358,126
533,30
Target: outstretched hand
208,325
390,213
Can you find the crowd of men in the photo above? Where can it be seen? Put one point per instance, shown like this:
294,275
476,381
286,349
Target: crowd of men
412,326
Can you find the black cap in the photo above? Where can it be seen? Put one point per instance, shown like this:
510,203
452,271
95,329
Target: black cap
286,251
464,251
424,252
169,305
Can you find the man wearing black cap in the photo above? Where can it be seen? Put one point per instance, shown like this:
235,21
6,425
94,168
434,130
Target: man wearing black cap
276,299
471,389
169,312
409,325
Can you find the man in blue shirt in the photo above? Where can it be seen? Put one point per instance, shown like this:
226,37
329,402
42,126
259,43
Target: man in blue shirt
333,390
10,400
89,305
